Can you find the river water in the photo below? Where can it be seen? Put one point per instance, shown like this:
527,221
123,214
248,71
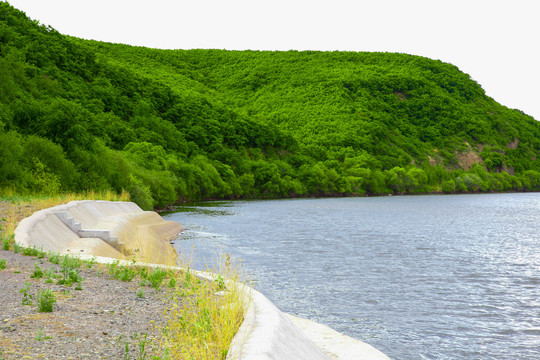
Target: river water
417,277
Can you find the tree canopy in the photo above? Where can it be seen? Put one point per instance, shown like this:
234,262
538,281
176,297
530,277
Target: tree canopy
174,125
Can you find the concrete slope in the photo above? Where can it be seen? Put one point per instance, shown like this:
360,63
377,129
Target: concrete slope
102,228
267,334
335,344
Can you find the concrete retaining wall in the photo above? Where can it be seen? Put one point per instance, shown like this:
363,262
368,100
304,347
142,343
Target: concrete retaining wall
101,228
265,334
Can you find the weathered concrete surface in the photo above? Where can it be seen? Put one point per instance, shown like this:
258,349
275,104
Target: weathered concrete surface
335,344
267,334
140,234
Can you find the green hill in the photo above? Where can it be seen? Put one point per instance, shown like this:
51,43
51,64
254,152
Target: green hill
172,125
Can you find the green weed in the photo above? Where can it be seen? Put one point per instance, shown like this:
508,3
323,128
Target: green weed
143,273
69,277
27,298
50,274
6,243
90,263
69,270
38,272
201,325
121,272
40,336
157,277
219,282
70,262
32,251
172,282
54,258
142,343
2,264
45,300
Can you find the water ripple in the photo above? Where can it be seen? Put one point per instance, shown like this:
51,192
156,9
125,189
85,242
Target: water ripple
423,277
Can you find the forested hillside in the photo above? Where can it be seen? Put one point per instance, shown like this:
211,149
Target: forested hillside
173,125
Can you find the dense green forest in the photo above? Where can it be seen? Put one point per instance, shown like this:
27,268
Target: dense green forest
175,125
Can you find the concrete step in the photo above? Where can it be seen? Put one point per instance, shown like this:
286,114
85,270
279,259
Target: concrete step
67,220
76,227
100,234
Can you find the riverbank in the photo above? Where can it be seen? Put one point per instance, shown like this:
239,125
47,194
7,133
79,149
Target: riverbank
266,324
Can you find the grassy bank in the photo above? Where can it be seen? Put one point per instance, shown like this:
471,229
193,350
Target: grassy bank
202,316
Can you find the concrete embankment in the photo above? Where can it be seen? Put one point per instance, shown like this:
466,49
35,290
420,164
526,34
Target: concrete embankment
103,228
118,230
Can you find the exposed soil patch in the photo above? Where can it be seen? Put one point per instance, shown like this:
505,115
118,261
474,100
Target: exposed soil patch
513,145
466,160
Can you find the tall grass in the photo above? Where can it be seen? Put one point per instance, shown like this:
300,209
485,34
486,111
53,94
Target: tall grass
205,315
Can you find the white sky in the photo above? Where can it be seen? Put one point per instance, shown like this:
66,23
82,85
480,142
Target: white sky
496,42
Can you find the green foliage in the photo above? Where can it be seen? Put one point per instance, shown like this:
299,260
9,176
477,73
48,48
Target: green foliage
38,272
2,264
50,274
121,272
27,298
6,243
219,282
178,125
32,251
69,270
157,277
448,186
54,258
40,336
45,300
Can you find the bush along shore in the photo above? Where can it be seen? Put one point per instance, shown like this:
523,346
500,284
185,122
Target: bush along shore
63,307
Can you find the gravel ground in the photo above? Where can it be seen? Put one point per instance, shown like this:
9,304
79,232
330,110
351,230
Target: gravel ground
93,323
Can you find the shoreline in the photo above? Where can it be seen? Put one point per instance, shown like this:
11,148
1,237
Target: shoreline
172,207
281,337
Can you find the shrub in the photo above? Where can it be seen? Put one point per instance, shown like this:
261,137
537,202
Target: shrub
45,300
122,273
54,259
32,251
27,298
156,277
38,272
6,244
50,274
70,274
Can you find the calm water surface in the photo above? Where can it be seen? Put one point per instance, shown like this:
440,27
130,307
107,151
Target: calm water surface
418,277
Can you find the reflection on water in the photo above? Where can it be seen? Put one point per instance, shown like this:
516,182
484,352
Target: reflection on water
421,277
214,208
